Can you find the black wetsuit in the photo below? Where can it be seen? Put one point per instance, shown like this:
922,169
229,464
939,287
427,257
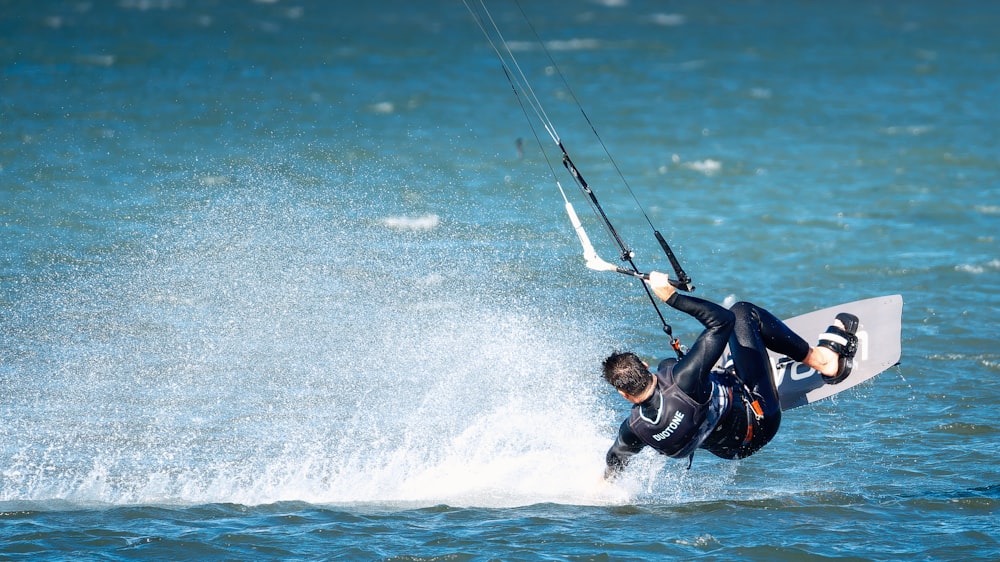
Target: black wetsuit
740,429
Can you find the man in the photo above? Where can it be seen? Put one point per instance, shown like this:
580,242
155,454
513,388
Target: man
732,414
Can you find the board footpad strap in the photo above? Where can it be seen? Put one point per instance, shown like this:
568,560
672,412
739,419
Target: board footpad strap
841,342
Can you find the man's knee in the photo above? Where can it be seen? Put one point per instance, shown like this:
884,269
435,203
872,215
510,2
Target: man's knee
742,309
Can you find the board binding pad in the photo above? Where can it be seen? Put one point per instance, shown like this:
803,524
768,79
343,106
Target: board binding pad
879,331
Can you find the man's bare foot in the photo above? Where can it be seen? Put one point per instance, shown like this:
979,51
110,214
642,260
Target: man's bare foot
823,359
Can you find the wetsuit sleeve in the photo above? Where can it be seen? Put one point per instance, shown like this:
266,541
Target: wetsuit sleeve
626,445
691,373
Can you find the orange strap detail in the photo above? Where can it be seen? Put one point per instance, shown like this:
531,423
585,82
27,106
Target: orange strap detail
759,412
749,436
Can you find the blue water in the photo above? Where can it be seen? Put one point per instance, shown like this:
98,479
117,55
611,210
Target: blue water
275,282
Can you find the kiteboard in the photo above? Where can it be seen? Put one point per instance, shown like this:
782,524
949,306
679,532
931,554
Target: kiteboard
879,347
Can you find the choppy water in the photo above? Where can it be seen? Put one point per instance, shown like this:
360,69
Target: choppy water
276,284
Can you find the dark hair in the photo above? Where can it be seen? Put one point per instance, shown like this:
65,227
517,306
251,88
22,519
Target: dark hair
626,372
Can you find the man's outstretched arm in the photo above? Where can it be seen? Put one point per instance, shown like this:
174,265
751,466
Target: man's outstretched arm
627,444
691,372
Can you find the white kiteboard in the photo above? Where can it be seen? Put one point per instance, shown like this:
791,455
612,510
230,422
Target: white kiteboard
880,326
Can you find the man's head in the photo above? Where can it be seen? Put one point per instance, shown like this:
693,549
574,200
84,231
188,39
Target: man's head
627,373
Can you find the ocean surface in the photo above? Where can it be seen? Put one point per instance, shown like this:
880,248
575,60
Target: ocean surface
292,279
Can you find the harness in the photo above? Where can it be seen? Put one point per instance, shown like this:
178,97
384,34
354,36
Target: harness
751,402
753,410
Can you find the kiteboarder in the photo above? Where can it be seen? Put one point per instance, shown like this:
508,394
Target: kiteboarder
689,404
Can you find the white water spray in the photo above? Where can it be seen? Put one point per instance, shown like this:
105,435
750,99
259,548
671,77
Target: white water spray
255,352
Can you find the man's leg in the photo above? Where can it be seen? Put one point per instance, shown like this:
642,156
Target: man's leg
756,331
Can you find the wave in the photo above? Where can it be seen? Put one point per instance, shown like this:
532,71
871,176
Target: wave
668,20
423,222
912,130
977,269
584,44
